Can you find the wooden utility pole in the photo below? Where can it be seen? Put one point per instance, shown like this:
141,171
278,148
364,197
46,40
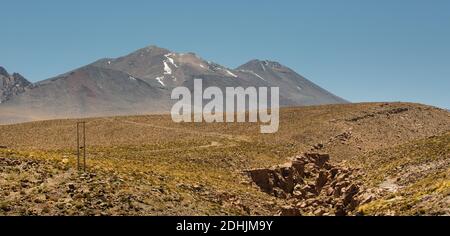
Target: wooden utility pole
81,145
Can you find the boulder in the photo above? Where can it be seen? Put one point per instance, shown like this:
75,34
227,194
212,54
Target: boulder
321,180
289,211
319,158
339,210
349,197
261,178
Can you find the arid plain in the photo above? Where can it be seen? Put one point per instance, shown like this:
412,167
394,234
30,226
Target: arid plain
384,159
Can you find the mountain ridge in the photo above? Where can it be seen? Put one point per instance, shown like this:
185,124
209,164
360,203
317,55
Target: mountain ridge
141,83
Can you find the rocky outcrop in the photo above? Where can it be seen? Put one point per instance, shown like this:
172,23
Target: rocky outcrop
310,185
379,113
11,85
3,72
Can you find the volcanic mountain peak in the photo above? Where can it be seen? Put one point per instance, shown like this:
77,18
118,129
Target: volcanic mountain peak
150,51
265,66
141,83
169,69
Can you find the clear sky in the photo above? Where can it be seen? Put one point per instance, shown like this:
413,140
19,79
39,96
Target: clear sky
362,50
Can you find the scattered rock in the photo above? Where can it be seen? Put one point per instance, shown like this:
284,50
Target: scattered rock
71,187
4,206
40,198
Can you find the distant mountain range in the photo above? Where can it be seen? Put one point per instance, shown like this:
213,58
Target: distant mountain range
141,83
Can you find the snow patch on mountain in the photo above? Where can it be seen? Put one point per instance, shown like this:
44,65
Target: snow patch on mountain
226,71
253,73
167,56
230,73
263,67
167,69
159,79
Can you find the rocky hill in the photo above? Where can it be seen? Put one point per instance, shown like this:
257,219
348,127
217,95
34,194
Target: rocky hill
12,85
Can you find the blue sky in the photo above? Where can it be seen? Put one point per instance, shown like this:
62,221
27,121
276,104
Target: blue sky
362,50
